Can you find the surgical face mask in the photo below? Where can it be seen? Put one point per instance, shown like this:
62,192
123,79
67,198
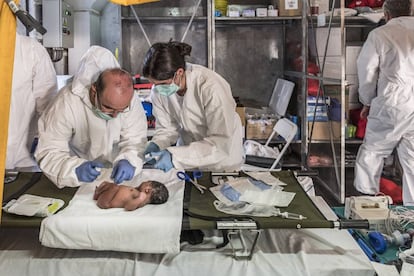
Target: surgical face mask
167,89
101,114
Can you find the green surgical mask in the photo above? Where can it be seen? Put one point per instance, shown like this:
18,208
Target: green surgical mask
167,89
101,114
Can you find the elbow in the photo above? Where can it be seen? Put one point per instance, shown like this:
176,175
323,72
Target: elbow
104,205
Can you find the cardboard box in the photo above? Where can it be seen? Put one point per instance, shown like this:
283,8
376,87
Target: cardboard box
242,113
321,130
259,129
290,7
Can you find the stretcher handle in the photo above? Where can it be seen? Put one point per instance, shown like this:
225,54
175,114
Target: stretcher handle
354,223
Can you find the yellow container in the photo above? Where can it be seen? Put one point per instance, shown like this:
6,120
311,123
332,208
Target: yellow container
221,5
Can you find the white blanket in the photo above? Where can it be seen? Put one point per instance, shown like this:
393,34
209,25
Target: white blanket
150,229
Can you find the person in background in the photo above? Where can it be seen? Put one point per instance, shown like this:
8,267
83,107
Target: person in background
386,89
196,121
34,86
94,122
111,195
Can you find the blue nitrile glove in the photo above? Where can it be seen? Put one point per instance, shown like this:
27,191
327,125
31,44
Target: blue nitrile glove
152,147
165,160
123,171
87,172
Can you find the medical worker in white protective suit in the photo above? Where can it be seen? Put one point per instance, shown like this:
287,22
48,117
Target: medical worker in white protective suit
194,110
386,89
96,121
34,86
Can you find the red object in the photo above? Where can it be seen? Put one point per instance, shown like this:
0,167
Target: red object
366,3
313,69
358,3
143,86
392,189
375,3
361,127
361,124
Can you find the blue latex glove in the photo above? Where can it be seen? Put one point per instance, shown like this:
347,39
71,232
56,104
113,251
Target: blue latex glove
152,147
87,172
123,171
165,160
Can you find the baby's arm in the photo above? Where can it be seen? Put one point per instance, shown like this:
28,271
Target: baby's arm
105,193
100,189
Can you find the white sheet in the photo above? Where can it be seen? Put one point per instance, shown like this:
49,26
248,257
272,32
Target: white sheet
319,252
150,229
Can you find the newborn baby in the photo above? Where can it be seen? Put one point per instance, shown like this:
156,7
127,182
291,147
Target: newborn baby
111,195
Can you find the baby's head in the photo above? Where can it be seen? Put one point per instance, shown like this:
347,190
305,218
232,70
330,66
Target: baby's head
158,192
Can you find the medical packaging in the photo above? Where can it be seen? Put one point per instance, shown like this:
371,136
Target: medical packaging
290,7
261,12
32,205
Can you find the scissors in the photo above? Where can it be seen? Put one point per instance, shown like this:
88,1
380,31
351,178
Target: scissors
196,174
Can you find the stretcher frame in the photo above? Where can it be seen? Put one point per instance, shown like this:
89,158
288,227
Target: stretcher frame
199,211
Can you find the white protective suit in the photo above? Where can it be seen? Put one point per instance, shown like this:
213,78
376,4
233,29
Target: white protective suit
203,123
71,134
386,83
34,85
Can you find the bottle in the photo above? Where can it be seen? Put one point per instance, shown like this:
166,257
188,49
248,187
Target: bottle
221,6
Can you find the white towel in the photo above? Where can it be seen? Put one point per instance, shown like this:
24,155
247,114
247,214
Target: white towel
150,229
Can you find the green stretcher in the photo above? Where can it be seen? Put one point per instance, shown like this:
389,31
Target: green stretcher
198,207
203,215
199,211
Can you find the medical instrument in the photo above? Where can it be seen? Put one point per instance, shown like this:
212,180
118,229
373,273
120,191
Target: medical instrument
289,215
196,174
364,246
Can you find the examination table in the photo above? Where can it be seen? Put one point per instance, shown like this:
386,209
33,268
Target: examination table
231,245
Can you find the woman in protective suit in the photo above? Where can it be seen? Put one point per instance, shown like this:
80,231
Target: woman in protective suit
196,121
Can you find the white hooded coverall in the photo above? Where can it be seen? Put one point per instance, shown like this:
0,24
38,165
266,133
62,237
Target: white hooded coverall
386,84
71,134
34,85
203,123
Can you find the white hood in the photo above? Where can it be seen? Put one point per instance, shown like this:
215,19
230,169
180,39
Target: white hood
92,63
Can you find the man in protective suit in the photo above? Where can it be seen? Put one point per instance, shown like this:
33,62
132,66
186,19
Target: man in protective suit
94,122
386,89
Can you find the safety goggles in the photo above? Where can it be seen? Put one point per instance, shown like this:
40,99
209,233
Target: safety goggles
107,109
